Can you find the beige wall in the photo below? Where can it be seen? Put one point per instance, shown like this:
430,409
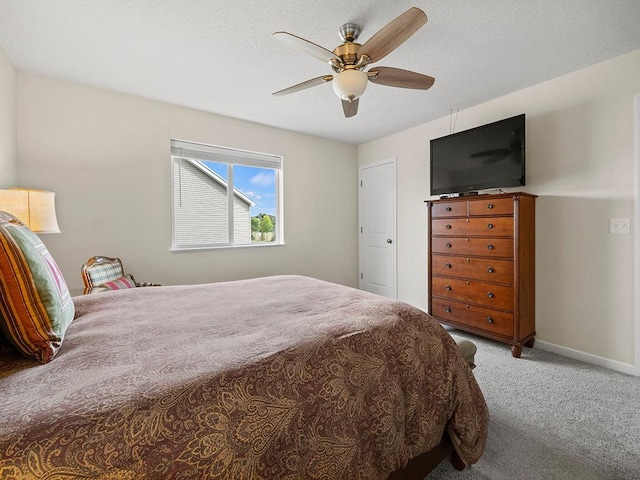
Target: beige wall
580,149
106,155
8,140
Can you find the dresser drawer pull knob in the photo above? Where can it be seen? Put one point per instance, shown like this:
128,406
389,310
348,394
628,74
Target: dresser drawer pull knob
448,288
447,309
448,209
490,270
489,319
490,226
448,245
490,206
448,265
490,247
490,295
447,226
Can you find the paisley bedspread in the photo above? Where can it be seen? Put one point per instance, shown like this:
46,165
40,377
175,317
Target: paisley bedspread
283,377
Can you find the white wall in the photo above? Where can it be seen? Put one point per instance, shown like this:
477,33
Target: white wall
580,162
106,155
8,139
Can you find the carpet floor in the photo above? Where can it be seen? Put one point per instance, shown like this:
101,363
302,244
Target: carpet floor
553,418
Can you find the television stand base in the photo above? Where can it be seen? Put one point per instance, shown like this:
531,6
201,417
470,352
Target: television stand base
456,195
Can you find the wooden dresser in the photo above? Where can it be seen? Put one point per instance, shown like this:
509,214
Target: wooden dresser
482,266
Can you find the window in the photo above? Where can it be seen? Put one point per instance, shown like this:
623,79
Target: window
223,197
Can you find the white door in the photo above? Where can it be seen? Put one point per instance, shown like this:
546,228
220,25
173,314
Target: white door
377,208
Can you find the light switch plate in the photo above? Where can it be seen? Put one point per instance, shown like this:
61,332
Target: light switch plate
619,225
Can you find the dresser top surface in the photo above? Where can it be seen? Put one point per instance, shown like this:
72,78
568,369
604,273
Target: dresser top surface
482,197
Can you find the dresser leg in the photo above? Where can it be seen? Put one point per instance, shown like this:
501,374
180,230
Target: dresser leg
516,351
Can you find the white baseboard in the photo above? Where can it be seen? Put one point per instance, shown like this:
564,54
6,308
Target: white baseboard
589,358
582,356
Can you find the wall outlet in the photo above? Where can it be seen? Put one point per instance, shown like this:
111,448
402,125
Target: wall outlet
619,225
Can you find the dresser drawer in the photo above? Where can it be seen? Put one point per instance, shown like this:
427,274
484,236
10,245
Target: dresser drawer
449,209
484,269
496,206
471,291
487,247
486,319
498,227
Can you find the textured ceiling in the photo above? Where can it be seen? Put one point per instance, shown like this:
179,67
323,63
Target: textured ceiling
219,55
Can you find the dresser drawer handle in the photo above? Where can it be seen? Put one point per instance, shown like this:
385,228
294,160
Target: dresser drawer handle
447,309
448,265
448,245
490,295
490,206
448,288
489,319
447,226
490,226
490,247
448,209
490,270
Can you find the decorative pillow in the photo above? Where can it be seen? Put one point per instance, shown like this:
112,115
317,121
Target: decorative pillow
103,272
35,304
126,281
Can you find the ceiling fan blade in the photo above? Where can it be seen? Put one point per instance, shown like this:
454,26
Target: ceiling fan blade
350,108
307,84
307,47
396,77
393,34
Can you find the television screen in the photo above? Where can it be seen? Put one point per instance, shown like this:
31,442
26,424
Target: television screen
489,156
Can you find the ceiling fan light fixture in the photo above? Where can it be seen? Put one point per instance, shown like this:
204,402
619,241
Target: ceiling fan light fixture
349,84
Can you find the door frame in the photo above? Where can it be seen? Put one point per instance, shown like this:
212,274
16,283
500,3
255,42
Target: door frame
636,232
393,161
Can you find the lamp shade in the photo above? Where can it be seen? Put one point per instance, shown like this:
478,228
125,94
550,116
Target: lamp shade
35,208
349,84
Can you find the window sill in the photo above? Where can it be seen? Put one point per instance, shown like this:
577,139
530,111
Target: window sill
225,247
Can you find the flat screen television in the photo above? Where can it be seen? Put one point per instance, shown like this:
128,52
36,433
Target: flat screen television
485,157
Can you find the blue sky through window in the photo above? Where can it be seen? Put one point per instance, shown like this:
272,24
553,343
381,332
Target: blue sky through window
256,183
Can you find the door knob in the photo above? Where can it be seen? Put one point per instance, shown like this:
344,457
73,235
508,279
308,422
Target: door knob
389,240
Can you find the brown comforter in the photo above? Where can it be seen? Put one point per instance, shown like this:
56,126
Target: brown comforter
276,378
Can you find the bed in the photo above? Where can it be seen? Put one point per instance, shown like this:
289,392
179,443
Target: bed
283,377
279,377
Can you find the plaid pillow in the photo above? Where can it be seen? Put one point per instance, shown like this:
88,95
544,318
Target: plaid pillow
35,304
121,283
100,273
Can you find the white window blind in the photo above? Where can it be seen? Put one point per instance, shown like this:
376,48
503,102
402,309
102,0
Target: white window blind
209,210
199,151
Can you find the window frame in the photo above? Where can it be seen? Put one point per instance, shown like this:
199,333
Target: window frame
195,152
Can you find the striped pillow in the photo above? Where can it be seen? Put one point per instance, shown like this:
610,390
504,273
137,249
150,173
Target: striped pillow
103,272
35,305
126,281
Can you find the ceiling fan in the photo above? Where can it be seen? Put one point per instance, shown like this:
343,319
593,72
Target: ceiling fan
349,60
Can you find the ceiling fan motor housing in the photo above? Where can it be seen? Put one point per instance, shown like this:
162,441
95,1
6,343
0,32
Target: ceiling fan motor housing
348,52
